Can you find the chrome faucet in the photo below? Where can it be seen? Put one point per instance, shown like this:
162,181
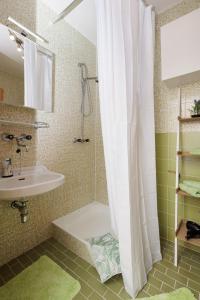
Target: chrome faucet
6,137
7,168
21,141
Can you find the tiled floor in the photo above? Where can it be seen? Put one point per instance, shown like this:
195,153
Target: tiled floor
163,278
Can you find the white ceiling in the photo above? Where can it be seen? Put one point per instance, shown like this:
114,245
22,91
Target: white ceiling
83,18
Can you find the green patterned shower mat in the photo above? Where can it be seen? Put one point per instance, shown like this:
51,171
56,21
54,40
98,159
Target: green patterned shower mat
43,280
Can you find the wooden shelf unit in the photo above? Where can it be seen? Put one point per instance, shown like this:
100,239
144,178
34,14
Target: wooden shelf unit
182,232
180,229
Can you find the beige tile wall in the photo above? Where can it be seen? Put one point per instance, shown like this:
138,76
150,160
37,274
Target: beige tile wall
52,147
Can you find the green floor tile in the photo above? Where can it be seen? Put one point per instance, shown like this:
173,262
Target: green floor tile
84,264
82,273
124,295
93,272
142,295
70,263
95,296
166,288
195,270
114,285
163,278
72,273
167,279
191,262
17,267
195,256
86,290
96,285
70,254
194,285
194,277
160,267
154,281
25,260
179,285
153,291
176,276
79,297
111,296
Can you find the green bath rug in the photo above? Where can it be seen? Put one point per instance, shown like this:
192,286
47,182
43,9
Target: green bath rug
43,280
180,294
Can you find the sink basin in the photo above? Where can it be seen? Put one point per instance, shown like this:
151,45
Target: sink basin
31,182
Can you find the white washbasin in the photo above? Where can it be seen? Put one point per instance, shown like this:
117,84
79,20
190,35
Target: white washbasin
31,182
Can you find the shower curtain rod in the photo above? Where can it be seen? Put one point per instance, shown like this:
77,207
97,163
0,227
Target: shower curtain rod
76,3
67,10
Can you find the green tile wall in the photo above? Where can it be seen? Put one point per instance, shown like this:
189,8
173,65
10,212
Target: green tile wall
189,208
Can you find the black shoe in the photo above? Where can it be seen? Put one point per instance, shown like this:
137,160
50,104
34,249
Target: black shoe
192,235
192,225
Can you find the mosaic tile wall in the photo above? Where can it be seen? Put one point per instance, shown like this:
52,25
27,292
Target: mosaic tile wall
166,112
52,147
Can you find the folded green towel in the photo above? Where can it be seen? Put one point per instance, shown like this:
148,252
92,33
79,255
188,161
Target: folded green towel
192,183
191,187
195,151
180,294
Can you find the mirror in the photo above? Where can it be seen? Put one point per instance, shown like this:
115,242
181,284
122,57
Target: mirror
26,72
11,70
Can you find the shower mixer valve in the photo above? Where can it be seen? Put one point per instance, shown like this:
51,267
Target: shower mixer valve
82,141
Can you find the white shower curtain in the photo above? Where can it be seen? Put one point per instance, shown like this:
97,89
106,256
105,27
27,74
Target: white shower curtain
125,35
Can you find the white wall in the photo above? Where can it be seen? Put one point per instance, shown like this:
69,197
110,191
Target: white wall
180,48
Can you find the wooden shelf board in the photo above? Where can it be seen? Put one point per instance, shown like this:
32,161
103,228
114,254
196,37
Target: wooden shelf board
187,154
182,232
188,119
